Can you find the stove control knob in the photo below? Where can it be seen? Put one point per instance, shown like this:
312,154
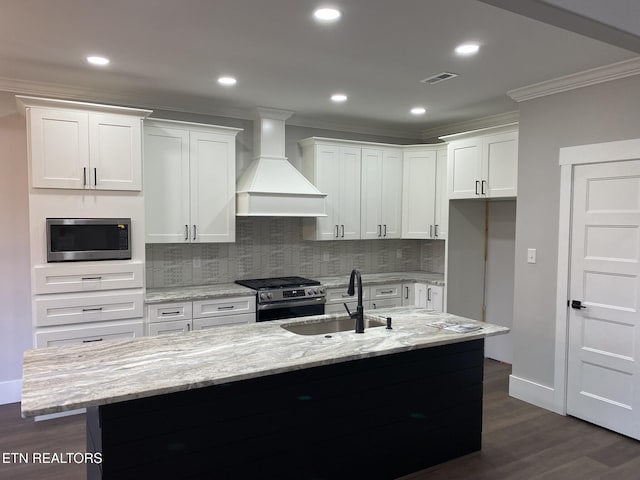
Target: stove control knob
262,296
322,290
269,296
315,291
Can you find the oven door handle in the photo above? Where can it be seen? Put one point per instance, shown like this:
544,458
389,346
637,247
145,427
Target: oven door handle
290,304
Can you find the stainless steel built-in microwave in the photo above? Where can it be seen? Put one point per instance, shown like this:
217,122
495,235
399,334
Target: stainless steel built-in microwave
76,239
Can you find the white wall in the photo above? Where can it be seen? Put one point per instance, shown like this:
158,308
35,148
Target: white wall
599,113
498,295
15,294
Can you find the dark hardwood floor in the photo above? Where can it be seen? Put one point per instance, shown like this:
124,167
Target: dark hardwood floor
520,441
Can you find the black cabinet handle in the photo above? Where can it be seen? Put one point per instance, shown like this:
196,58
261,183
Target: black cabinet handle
186,232
91,278
194,232
435,231
176,312
379,230
97,309
342,226
95,176
385,231
336,231
406,293
477,182
482,187
577,304
92,341
84,176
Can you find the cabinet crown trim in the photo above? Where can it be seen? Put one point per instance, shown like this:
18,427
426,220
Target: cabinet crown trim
24,102
306,142
509,127
177,124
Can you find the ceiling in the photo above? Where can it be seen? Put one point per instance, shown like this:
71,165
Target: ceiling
167,54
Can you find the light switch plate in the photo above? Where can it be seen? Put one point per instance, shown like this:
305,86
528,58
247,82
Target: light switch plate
531,255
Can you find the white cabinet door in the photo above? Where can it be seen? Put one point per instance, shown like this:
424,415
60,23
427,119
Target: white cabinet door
94,333
166,185
386,303
419,193
189,183
85,277
115,152
166,328
391,193
371,194
327,166
66,309
163,312
213,187
211,322
80,146
435,297
441,226
224,307
349,203
500,165
59,148
464,169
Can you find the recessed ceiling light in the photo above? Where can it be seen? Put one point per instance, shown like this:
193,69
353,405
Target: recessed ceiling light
227,80
418,110
339,98
98,60
327,14
467,49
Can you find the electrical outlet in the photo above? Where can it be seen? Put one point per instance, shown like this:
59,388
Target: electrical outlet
531,255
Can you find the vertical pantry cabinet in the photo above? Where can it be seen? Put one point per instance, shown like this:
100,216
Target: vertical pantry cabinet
424,196
189,182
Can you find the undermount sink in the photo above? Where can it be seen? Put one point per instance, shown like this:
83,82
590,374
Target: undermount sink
343,323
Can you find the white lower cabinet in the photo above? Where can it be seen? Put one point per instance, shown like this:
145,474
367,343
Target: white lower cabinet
423,295
82,308
373,297
180,317
91,333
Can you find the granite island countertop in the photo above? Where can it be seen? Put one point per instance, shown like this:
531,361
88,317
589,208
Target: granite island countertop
221,290
57,379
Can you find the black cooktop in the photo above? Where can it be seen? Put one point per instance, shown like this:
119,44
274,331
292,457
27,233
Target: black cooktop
281,282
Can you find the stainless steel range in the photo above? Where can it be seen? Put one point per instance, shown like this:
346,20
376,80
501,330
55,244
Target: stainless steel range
286,297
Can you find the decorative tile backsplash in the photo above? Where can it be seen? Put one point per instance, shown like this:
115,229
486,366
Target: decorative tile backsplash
273,247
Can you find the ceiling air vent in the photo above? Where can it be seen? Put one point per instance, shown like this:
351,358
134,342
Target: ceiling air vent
441,77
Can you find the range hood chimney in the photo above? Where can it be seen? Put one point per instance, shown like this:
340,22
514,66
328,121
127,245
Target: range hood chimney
271,186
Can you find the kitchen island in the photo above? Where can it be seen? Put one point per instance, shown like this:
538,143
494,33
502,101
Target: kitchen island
247,401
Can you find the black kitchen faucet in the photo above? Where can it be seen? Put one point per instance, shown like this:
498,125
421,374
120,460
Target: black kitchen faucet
359,314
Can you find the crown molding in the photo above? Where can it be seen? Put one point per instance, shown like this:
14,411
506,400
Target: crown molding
593,76
471,125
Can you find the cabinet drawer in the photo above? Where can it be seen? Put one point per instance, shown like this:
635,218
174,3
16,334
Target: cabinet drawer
95,333
386,303
85,308
83,278
339,295
210,322
223,306
163,312
165,328
385,291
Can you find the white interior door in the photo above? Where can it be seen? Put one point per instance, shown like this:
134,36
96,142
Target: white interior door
603,382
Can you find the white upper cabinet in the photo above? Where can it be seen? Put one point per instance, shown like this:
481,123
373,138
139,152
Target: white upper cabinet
77,145
335,170
381,195
483,164
424,201
189,182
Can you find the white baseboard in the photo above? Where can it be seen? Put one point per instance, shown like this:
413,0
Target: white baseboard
10,392
532,392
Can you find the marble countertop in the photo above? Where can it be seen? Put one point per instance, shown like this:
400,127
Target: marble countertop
57,379
220,290
342,281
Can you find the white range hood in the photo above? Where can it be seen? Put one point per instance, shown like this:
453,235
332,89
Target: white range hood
271,186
